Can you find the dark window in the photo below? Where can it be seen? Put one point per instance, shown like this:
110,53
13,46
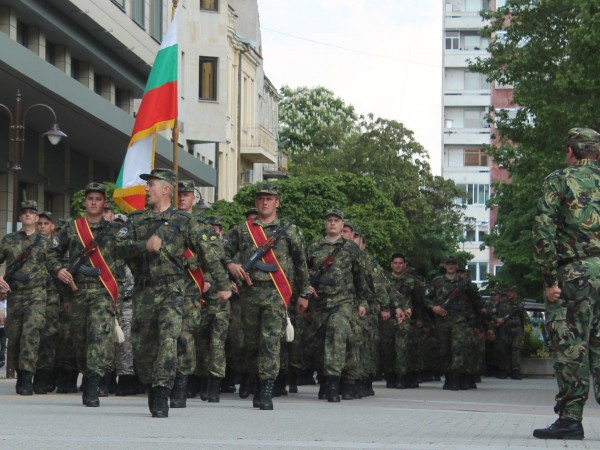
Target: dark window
22,34
209,5
75,69
120,4
50,53
475,157
97,84
156,17
208,78
137,12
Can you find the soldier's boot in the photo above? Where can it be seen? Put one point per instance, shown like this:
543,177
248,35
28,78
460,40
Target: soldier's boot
83,382
160,402
125,386
214,388
246,385
561,429
516,375
401,381
351,389
104,383
266,394
293,383
193,386
390,380
333,389
306,378
151,400
26,383
501,375
369,386
40,381
203,389
464,382
425,376
413,378
61,375
91,395
280,384
179,392
112,382
228,383
322,389
451,382
72,377
256,398
471,379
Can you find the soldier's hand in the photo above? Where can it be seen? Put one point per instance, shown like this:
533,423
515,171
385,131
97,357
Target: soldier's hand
439,311
408,313
312,291
238,273
206,287
4,287
385,315
362,311
302,305
499,321
223,295
400,316
552,293
153,244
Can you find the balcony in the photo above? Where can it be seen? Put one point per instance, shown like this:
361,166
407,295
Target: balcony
467,136
258,145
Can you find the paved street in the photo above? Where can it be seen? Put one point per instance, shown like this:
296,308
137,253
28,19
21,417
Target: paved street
500,414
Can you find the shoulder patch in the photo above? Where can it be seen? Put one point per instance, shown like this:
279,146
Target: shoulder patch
204,237
54,242
123,232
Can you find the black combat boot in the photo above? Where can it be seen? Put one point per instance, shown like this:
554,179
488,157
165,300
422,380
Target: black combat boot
193,386
350,390
160,402
104,383
413,380
246,385
213,389
125,386
151,400
516,375
40,381
266,394
203,390
561,429
464,382
333,389
390,380
90,393
26,383
179,392
228,383
401,379
451,382
322,389
19,382
280,384
256,398
293,383
368,385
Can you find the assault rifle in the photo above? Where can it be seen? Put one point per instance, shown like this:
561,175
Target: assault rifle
255,260
13,271
314,280
454,294
77,263
507,317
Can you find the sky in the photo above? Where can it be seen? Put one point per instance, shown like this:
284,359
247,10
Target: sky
383,57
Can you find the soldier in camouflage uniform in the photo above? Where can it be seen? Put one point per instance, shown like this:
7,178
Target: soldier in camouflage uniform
263,308
26,299
566,238
337,297
158,239
93,308
509,318
44,380
454,322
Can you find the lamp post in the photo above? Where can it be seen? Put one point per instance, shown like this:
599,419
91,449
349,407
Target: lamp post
17,145
17,141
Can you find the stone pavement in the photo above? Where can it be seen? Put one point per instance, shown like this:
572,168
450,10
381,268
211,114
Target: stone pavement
501,414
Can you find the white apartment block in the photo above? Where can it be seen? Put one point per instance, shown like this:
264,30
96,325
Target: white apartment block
88,60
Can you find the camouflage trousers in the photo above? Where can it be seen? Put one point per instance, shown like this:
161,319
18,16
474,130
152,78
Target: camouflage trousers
387,352
263,323
456,341
296,358
155,327
49,334
332,340
25,317
210,339
368,356
573,324
190,321
124,358
234,344
507,349
65,353
92,326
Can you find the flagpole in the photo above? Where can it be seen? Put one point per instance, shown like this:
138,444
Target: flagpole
175,134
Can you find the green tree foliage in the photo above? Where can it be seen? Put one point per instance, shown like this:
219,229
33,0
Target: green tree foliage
548,52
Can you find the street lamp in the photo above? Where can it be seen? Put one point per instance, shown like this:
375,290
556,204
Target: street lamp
17,138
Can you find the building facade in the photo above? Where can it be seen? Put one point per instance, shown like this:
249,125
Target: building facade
88,61
467,101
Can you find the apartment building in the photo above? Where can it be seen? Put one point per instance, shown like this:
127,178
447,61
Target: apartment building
467,98
87,62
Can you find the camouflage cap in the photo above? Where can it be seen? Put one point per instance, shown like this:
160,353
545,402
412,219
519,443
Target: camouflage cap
269,189
186,186
358,232
584,139
335,212
250,212
121,217
214,220
29,204
95,187
167,175
349,224
451,259
109,205
47,215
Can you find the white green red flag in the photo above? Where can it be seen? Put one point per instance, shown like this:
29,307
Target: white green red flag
157,112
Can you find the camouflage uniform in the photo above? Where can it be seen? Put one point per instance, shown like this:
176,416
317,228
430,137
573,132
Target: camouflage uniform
509,336
566,237
124,357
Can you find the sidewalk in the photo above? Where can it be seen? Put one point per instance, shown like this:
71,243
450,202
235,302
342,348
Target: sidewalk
500,414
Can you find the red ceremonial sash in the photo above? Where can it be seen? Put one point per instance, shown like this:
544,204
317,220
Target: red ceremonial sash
279,279
106,277
197,275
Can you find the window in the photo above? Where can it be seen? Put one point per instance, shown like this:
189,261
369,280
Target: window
477,194
452,40
120,4
75,69
50,52
479,271
208,78
156,18
209,5
137,12
97,84
475,157
22,34
474,118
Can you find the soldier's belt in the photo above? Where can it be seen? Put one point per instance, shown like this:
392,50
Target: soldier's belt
156,282
89,284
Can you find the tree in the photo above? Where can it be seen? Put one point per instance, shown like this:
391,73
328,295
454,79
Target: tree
547,50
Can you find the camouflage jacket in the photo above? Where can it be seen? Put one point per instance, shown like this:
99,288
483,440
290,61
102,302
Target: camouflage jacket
567,221
345,279
39,263
512,311
68,242
289,250
409,289
468,303
378,284
178,231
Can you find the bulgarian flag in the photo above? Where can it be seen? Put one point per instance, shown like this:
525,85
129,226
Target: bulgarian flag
157,112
